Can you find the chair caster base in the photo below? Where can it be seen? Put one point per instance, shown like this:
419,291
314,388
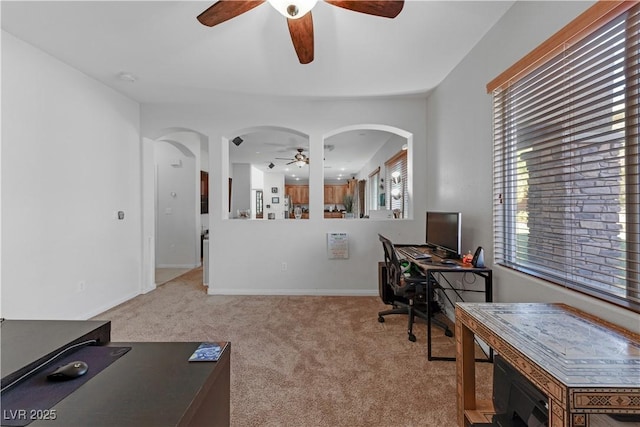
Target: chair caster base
412,338
380,319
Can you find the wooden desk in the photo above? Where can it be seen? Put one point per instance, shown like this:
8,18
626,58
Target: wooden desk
583,364
151,385
431,268
27,343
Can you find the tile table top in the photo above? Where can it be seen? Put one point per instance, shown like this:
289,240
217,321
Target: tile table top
573,347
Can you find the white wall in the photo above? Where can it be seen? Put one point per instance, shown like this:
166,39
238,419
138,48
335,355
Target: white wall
301,245
274,180
240,188
459,153
70,160
178,206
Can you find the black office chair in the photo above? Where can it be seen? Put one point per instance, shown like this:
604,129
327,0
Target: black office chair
409,291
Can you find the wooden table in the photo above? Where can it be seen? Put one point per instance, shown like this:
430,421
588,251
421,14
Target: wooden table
584,365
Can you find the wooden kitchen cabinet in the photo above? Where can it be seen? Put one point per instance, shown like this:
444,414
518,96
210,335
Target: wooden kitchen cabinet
299,194
339,191
328,195
334,214
334,194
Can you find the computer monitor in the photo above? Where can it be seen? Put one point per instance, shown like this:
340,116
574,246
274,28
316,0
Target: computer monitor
444,233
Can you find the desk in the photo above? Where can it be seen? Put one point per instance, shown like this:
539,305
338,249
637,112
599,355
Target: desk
430,269
27,343
584,365
151,385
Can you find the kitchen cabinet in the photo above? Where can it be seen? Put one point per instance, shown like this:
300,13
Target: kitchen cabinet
334,214
339,191
334,194
299,194
328,195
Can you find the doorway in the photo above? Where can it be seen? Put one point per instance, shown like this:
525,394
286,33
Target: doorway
175,205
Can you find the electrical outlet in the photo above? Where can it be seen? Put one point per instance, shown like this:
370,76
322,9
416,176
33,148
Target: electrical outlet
82,286
283,267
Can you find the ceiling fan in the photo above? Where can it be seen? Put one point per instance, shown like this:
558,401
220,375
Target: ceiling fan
299,159
298,14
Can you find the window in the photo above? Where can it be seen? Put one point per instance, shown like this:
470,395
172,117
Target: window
566,181
374,183
396,182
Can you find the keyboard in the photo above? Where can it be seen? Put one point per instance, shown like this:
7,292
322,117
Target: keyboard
415,253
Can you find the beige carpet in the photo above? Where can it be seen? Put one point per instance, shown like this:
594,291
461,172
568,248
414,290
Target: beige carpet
305,360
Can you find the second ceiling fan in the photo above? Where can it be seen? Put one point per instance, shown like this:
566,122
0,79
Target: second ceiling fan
300,159
298,14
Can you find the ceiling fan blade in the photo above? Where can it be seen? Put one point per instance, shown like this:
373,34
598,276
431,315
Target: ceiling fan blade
282,158
223,10
301,31
384,8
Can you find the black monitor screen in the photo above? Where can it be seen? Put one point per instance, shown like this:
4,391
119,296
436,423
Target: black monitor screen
444,231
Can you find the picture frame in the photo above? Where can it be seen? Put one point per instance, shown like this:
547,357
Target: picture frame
274,190
275,200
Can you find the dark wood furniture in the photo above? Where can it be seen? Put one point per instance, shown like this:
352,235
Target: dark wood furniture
28,343
151,385
204,192
584,365
432,269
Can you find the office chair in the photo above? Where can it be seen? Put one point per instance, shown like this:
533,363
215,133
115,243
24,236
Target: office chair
409,291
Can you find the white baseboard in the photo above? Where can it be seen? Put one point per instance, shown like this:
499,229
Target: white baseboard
178,265
212,290
105,307
147,289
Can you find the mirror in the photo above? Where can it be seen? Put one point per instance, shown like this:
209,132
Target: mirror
270,173
360,167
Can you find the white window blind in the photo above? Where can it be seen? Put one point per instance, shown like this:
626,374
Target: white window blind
566,182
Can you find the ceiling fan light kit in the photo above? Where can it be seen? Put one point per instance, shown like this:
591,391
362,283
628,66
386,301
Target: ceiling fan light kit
298,14
293,9
299,159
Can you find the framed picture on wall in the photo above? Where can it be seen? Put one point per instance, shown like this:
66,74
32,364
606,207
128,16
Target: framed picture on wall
274,190
275,200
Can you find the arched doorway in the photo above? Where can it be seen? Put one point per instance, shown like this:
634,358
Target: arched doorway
172,218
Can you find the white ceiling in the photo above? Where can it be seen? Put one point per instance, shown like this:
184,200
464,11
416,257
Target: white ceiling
344,155
177,59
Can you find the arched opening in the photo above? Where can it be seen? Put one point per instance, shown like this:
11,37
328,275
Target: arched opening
268,165
368,172
173,222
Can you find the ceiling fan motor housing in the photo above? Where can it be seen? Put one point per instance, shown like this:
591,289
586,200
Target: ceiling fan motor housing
292,10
